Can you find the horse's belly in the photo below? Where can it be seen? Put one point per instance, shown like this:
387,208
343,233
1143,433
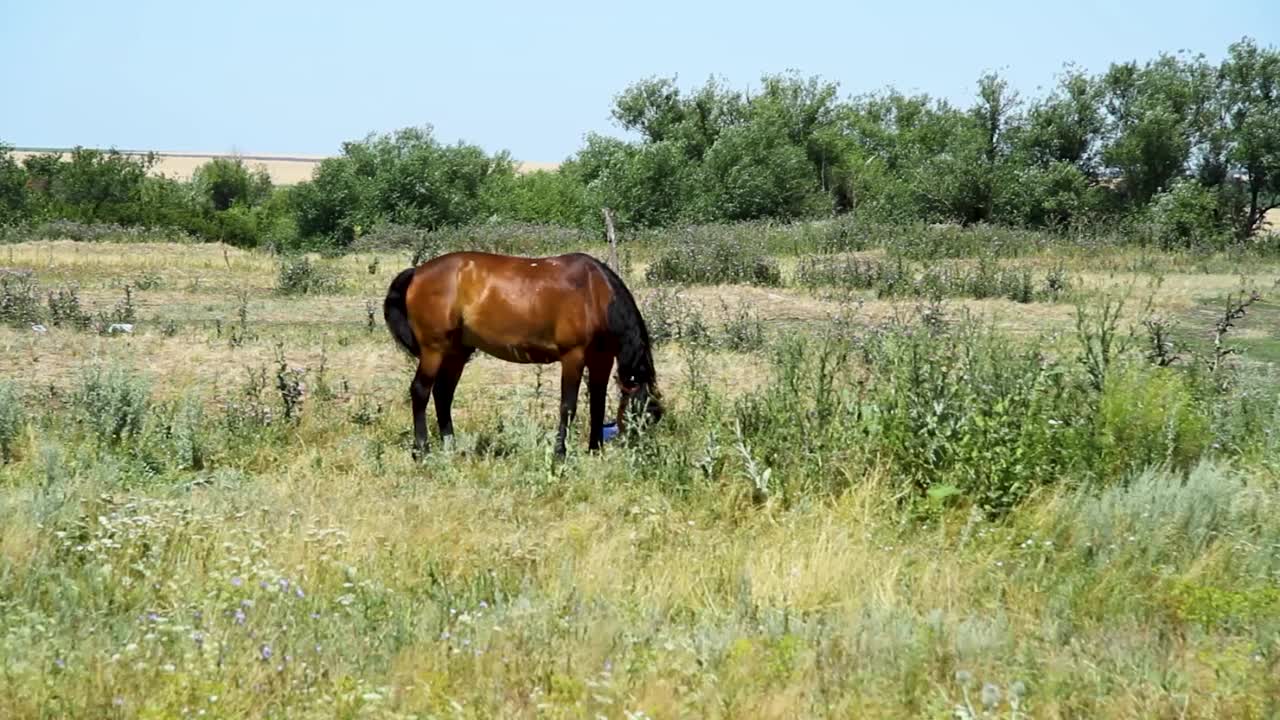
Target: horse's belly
519,353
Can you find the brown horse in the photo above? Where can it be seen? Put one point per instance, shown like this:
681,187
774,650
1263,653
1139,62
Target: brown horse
570,309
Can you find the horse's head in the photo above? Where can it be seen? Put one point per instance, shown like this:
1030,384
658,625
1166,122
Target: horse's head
641,403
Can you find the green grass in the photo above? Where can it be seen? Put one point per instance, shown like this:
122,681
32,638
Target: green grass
856,507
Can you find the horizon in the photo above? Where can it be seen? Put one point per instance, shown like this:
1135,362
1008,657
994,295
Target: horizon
276,82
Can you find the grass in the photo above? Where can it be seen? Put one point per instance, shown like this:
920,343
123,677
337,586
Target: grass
174,544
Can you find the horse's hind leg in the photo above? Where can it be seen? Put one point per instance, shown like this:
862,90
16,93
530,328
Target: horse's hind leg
571,364
446,382
419,394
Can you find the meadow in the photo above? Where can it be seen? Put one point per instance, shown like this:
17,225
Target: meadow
911,471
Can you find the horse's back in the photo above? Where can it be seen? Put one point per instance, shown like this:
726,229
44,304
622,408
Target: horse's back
522,309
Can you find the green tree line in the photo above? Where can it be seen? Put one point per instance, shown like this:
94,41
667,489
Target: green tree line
1188,148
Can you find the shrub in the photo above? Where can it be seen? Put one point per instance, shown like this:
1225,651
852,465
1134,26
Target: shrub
1162,516
1149,416
184,439
405,177
111,404
65,309
743,329
1186,216
12,419
964,408
897,277
670,317
712,261
300,276
19,301
103,232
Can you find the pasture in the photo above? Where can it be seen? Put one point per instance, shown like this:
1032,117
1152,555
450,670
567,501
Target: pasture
934,473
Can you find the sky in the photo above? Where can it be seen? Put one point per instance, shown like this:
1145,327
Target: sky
533,78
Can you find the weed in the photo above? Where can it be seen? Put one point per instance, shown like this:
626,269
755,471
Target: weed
289,383
1100,339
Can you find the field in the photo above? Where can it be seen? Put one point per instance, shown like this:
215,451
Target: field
898,478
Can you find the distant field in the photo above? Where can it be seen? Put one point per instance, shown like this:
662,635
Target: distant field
283,169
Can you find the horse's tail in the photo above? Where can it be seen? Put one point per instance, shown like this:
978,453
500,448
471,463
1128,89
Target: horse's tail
635,353
396,313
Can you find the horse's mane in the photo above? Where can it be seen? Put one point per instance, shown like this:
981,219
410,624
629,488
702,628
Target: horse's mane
635,353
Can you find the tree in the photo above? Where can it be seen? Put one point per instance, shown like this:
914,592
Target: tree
1159,118
755,171
1250,78
224,182
652,107
404,177
1066,126
14,203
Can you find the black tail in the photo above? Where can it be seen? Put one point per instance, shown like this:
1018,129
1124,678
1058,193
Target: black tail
396,314
635,354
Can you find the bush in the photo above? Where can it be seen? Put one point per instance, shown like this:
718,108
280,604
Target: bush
19,300
1177,514
102,232
112,404
405,177
184,439
716,260
743,329
1150,416
967,410
65,309
12,419
671,318
300,276
14,197
898,278
553,197
1186,216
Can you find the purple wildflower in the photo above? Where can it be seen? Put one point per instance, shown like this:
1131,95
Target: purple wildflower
265,652
239,616
236,581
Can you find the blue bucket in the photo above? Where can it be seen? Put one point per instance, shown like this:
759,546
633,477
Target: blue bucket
610,431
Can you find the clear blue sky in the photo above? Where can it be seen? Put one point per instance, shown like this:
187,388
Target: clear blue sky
267,76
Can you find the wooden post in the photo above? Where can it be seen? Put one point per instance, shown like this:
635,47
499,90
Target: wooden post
613,239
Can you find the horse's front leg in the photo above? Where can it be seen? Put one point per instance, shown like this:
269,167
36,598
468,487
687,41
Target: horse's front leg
598,369
571,365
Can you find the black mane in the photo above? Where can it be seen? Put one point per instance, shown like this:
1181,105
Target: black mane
635,354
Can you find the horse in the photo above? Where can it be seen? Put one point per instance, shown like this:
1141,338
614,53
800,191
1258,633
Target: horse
571,309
